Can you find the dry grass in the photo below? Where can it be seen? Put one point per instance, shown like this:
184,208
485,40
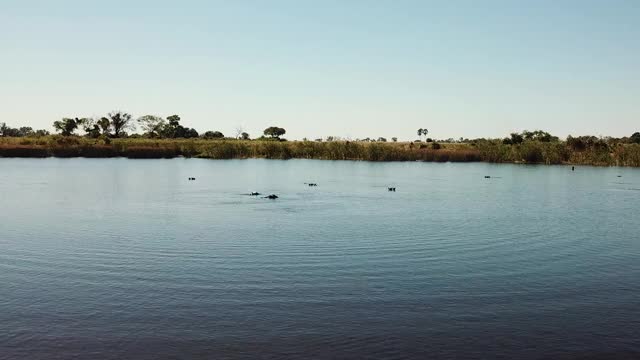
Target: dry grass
489,151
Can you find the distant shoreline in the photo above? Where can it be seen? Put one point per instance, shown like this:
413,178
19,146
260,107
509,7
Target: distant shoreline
528,152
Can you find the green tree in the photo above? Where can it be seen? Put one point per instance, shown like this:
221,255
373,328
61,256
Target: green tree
394,139
171,128
538,135
274,132
635,138
91,129
213,135
188,133
244,136
516,138
105,126
7,131
13,132
152,125
67,126
26,131
120,123
422,132
174,120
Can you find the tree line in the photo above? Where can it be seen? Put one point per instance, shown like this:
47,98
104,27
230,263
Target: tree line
575,142
119,124
24,131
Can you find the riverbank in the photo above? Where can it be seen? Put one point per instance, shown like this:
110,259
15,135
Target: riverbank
530,152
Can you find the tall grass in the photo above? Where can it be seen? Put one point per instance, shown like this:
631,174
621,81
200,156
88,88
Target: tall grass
533,152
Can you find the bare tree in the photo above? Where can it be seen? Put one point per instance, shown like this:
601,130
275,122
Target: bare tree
239,131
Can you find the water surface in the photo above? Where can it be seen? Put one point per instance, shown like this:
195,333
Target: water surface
116,258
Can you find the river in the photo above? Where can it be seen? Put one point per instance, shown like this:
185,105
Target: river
117,258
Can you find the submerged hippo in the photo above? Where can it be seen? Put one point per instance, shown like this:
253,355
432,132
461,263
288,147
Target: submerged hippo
254,193
272,197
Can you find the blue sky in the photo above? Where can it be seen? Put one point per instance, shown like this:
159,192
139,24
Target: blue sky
349,68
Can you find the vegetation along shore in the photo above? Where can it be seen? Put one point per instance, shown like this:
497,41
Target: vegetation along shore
113,136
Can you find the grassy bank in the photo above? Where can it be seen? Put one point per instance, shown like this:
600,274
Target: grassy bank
534,152
60,146
490,151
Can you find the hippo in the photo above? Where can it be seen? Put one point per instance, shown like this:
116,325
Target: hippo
254,193
272,197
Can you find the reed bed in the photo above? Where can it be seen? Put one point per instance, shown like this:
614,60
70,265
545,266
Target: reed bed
530,152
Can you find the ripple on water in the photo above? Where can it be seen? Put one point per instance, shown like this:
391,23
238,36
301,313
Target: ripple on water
137,262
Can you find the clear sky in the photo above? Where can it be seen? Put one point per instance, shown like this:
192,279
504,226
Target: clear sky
351,68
